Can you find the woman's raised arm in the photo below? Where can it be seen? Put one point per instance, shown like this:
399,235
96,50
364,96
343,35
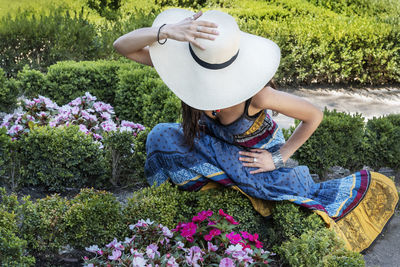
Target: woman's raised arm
291,106
134,45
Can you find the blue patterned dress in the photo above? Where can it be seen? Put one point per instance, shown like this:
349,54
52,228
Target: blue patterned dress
215,158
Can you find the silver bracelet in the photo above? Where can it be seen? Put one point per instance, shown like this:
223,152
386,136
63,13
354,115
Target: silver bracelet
277,159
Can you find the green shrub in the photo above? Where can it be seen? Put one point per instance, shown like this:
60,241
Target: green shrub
336,142
61,157
93,217
318,248
342,258
43,225
125,156
291,221
69,80
8,93
108,9
168,205
12,248
320,46
10,161
41,40
165,204
144,98
381,142
32,83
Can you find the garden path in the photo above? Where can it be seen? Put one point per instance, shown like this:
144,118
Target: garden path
385,251
369,102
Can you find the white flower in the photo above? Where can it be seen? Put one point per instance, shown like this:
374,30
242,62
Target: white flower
92,248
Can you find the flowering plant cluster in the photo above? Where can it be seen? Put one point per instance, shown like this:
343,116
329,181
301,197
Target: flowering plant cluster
93,117
208,240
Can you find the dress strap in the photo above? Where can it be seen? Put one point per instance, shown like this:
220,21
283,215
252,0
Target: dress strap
246,110
246,106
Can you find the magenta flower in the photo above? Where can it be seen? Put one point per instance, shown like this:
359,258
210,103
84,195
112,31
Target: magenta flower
230,219
222,213
226,262
208,237
215,232
234,238
115,255
188,229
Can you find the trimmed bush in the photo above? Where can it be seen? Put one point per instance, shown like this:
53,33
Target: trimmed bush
70,79
12,248
32,83
320,248
93,217
144,98
291,221
126,156
43,226
381,142
336,142
165,204
8,93
61,157
42,40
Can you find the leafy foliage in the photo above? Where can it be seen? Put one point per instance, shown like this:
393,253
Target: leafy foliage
42,40
61,157
336,142
381,142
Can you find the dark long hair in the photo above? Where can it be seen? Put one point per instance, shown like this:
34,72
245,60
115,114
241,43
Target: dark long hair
191,117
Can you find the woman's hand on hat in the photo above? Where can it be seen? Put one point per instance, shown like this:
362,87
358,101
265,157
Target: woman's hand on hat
257,158
190,28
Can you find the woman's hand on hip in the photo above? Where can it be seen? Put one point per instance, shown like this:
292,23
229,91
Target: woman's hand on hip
190,28
257,158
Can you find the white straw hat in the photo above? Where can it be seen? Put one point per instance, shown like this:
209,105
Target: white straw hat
232,68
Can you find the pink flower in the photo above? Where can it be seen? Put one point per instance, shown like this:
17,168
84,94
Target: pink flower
211,223
222,213
189,229
259,244
234,238
115,255
195,254
152,250
208,237
83,128
178,227
211,247
171,262
248,236
198,218
230,219
76,102
244,245
215,232
226,262
166,232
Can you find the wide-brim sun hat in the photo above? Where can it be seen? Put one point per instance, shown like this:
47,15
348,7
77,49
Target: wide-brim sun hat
231,69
